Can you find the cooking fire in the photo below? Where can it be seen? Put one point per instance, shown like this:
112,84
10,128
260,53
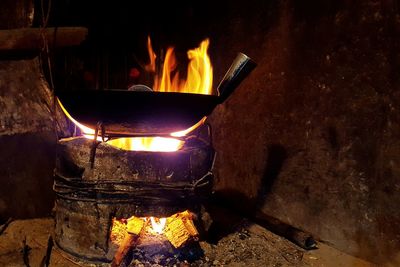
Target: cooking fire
199,81
148,180
149,183
136,133
126,234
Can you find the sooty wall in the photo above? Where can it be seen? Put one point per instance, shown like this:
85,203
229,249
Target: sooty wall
312,136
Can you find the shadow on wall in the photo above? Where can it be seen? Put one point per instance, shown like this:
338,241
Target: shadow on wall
248,207
330,77
277,156
26,169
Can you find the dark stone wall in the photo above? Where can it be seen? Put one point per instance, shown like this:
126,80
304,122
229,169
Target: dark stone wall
27,130
26,174
312,137
27,141
16,13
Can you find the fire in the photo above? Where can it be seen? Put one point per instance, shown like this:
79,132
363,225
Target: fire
199,72
161,144
84,128
198,81
177,228
151,67
158,224
185,132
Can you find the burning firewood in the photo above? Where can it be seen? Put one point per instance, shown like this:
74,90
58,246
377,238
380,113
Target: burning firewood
127,244
133,232
180,228
134,227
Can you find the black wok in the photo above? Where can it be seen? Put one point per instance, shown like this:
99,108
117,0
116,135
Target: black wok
128,112
149,112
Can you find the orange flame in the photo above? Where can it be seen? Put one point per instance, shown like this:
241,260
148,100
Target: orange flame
177,228
161,144
151,67
84,128
185,132
199,81
199,72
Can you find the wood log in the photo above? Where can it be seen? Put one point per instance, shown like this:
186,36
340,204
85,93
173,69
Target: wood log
31,39
299,237
135,225
225,215
123,250
179,229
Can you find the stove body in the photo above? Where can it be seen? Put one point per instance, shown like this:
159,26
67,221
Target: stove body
91,191
96,183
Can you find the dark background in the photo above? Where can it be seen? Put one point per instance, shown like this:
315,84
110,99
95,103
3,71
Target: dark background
311,137
118,33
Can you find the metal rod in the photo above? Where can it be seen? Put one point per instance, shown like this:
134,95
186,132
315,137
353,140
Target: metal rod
240,69
117,135
94,144
103,132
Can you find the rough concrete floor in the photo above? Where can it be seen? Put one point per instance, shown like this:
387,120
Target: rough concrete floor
249,245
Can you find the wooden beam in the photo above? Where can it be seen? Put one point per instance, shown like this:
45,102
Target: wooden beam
31,39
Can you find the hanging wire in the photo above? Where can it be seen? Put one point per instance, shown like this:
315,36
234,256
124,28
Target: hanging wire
46,52
45,48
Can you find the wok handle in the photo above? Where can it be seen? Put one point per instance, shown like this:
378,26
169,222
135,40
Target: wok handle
240,68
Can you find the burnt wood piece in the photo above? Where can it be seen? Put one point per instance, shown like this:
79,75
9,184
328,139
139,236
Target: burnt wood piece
224,213
299,237
123,250
179,230
31,39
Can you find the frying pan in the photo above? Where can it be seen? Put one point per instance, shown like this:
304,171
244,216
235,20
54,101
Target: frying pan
148,112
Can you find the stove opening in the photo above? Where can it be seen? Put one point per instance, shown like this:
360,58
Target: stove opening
177,229
151,235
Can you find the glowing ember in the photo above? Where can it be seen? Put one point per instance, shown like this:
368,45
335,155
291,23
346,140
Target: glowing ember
177,229
158,224
118,231
135,225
